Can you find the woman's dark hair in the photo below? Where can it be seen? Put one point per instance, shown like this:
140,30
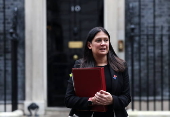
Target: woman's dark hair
114,61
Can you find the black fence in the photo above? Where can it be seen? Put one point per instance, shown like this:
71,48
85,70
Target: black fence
3,59
150,68
8,61
148,53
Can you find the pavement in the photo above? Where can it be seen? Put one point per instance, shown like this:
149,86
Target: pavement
131,114
63,112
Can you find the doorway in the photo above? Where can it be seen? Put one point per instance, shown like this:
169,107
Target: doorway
68,22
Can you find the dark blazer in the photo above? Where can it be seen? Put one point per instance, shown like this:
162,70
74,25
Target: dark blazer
120,93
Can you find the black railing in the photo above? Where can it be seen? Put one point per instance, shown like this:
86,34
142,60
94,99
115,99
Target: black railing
150,67
132,63
8,83
4,53
147,52
14,46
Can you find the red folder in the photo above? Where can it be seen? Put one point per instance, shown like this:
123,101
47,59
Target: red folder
88,81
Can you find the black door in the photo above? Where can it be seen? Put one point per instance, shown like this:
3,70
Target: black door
68,22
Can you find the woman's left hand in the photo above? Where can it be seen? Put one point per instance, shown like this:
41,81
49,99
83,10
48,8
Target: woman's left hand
103,98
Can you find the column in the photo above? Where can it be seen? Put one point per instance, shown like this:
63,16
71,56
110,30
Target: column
114,22
35,54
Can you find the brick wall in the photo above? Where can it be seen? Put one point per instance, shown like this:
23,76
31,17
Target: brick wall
9,9
144,24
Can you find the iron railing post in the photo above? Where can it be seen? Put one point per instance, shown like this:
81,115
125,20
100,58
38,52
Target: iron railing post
162,79
14,45
169,66
139,49
147,68
132,28
154,56
4,40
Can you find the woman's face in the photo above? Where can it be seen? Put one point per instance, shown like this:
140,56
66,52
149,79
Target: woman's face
99,44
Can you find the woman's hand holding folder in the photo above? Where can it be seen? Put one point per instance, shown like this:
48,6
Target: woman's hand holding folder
102,98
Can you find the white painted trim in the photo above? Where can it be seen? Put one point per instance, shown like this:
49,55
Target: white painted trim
114,22
35,55
45,52
110,21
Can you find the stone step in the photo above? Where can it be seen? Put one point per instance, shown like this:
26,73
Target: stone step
17,113
57,112
149,113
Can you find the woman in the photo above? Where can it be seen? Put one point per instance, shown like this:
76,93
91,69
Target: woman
98,52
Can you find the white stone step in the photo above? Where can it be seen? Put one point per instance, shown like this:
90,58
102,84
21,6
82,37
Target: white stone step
17,113
57,112
149,113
